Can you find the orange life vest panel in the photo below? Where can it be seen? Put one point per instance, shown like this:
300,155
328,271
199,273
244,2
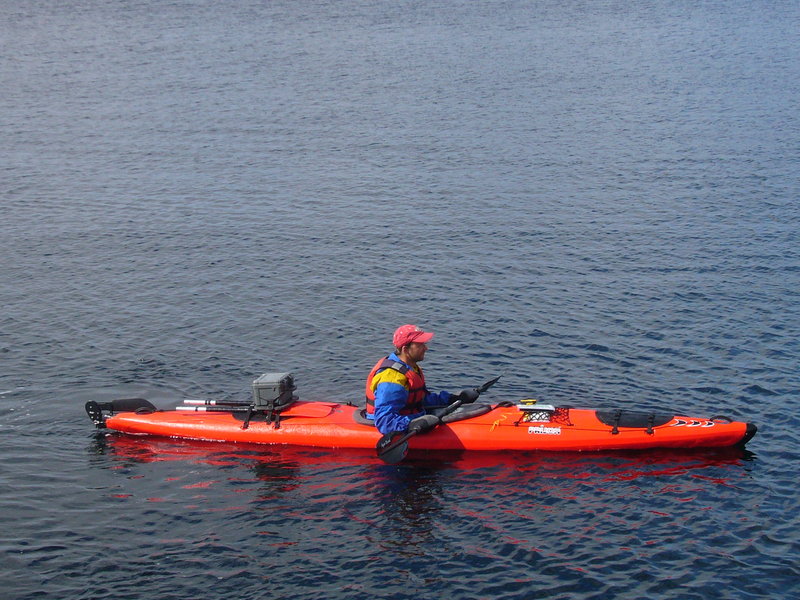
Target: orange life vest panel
416,383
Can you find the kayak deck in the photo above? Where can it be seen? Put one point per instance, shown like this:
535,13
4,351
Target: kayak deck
334,425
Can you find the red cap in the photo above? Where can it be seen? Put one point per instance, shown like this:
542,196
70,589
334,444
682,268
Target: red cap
406,334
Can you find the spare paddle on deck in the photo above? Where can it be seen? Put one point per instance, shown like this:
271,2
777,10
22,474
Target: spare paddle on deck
393,447
244,403
303,409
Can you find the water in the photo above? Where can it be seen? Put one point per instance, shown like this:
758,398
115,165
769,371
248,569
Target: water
597,199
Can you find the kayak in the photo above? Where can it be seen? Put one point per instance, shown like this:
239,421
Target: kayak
522,426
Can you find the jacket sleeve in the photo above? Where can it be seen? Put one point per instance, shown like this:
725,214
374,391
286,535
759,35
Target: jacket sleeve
441,399
390,398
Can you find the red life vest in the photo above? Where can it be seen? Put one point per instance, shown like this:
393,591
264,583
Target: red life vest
416,383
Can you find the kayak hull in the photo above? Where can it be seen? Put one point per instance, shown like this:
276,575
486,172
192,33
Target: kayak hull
332,425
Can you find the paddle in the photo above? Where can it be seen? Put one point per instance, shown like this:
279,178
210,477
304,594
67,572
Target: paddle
244,403
393,447
310,410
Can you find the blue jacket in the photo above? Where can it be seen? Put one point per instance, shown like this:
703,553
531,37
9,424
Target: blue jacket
391,393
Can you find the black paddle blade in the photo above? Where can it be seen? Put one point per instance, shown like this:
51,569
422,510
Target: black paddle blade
393,447
488,384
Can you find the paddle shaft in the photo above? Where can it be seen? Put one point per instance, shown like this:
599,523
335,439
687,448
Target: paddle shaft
229,409
244,403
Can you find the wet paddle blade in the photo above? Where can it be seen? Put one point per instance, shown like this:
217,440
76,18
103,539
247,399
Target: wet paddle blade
396,454
392,448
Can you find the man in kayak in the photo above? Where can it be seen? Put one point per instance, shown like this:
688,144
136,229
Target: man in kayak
396,392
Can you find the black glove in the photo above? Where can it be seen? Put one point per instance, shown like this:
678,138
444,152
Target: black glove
423,423
467,396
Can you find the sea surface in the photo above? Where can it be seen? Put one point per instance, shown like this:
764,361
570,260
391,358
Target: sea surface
599,200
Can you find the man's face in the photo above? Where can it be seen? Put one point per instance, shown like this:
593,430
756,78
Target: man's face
416,351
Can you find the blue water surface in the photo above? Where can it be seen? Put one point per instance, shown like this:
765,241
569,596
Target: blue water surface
598,200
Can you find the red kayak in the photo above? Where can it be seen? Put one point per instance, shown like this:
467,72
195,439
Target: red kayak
516,427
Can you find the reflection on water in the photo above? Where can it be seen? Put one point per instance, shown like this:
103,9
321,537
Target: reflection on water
267,460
